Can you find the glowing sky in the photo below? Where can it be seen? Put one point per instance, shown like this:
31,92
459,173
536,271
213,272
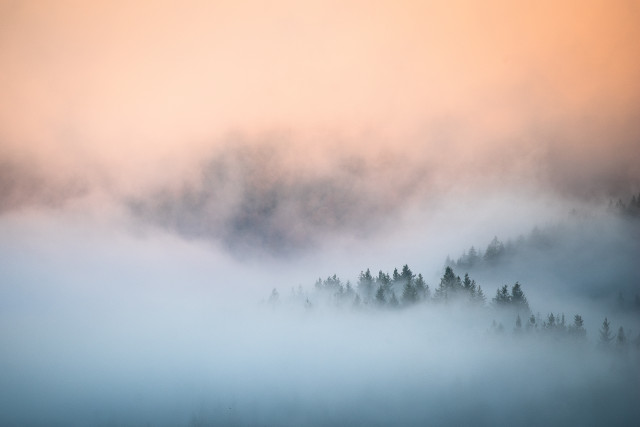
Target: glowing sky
130,94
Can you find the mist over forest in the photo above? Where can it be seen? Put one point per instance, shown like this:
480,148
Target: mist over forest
127,325
319,213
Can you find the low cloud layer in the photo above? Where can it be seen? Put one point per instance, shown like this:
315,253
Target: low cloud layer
165,166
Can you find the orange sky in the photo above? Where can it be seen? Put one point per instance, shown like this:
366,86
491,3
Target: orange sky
134,91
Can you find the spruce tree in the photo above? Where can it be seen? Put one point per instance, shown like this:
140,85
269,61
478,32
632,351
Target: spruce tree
605,332
473,257
577,330
550,324
494,250
396,276
620,338
502,298
480,299
365,284
409,294
466,283
348,291
449,285
518,300
421,287
384,280
407,275
380,299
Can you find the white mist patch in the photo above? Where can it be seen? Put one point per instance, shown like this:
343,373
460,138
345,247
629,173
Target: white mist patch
99,326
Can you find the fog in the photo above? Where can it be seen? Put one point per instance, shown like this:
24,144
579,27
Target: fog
108,321
175,179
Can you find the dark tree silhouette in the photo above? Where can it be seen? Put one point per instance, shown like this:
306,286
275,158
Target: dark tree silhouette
494,251
380,299
467,283
480,299
449,285
518,300
620,338
409,293
348,290
407,275
550,324
365,284
577,330
502,298
605,332
532,323
422,288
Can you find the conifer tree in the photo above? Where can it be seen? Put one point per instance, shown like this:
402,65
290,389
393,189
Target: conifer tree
577,330
421,287
620,338
384,280
605,332
466,283
449,285
518,300
472,257
494,250
380,299
409,293
551,322
407,275
502,298
532,323
365,284
396,276
480,299
348,291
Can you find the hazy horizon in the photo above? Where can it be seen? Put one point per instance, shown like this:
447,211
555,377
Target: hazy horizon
165,165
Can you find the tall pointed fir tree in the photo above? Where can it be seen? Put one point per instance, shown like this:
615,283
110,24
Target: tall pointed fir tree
365,285
577,329
449,285
605,332
518,300
380,299
480,299
409,293
502,298
421,288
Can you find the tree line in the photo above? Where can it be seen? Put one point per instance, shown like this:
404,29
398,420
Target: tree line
402,289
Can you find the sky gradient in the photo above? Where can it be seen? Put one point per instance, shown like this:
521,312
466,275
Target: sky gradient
164,166
131,98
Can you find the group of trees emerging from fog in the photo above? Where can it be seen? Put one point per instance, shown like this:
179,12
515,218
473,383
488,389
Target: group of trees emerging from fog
540,239
629,209
403,289
400,289
548,243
